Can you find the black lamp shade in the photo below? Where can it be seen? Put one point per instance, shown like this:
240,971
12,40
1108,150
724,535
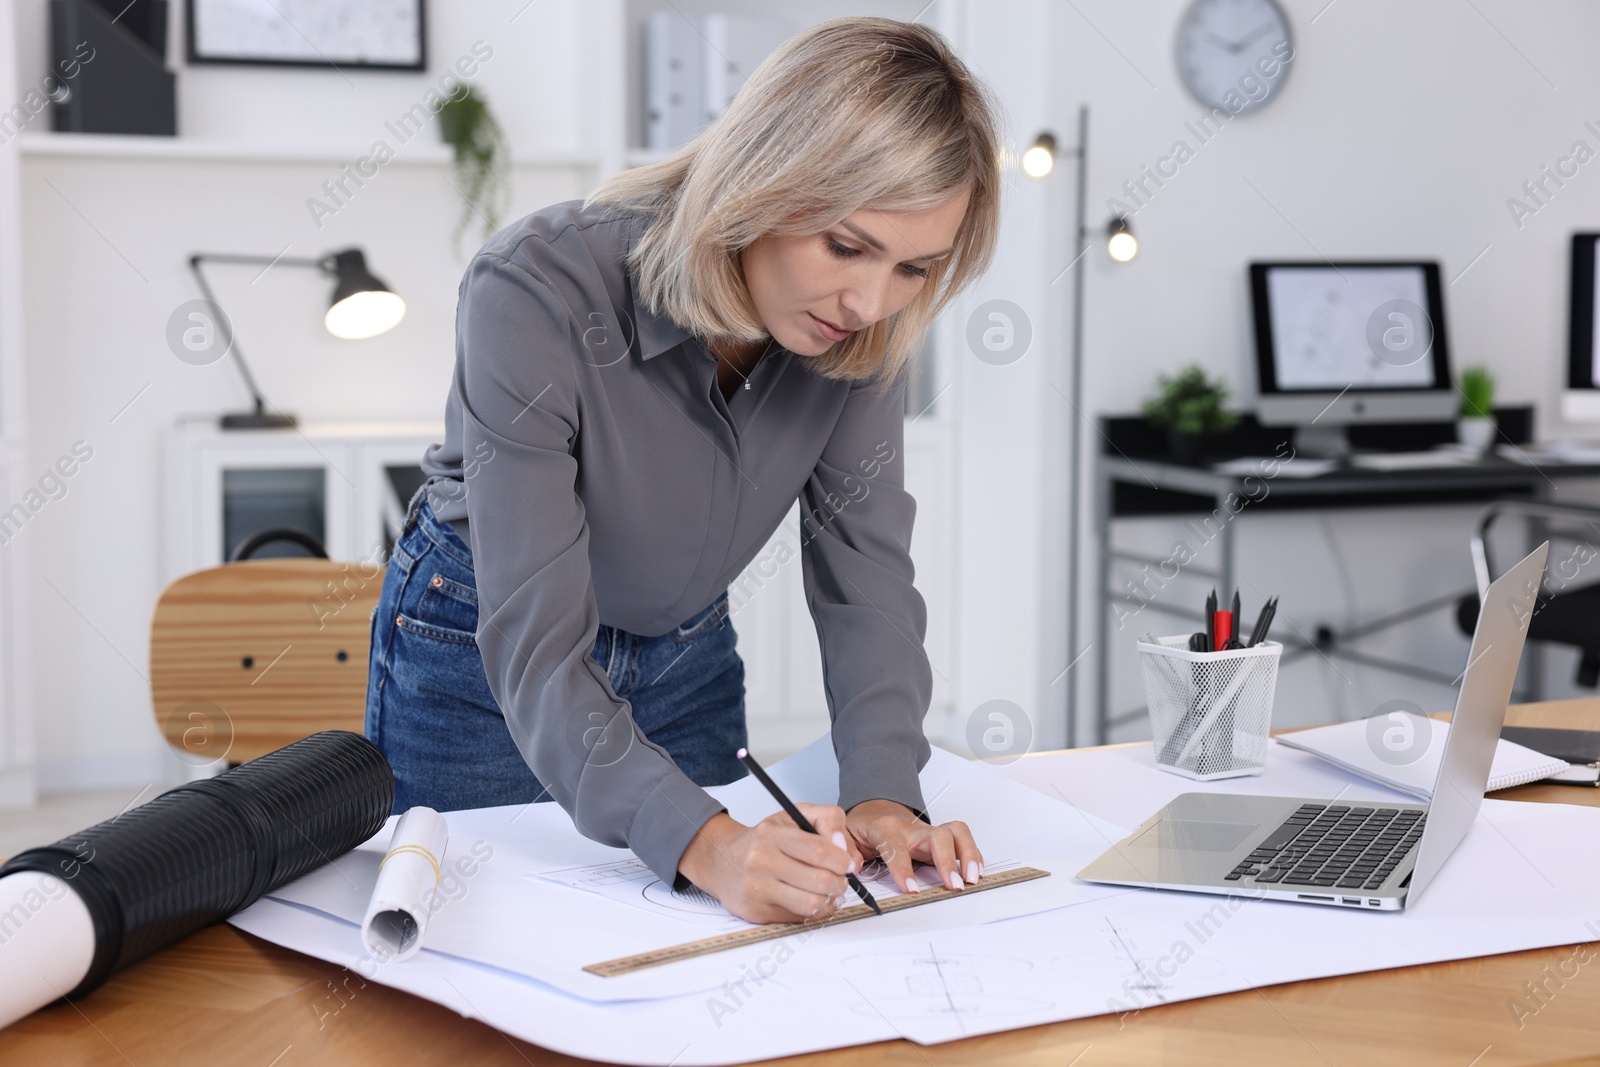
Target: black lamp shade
362,305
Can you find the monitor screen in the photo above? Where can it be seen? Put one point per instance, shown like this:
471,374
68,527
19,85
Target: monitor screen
1582,370
1589,291
1348,327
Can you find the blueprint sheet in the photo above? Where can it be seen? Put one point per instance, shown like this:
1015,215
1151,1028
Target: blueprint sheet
1515,883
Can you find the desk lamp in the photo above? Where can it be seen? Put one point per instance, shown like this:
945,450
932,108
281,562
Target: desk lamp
361,306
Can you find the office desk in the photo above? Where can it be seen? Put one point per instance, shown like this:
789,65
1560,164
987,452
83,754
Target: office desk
1132,485
224,997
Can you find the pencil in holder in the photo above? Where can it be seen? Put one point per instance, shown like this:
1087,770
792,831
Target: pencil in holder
1210,712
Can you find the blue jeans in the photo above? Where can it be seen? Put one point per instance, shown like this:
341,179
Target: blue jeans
430,711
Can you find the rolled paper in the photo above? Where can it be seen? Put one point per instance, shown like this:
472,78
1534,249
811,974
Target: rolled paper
408,878
46,942
190,857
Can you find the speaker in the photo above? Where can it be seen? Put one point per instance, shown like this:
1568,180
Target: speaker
122,84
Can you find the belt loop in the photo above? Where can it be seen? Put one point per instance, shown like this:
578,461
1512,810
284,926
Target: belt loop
411,510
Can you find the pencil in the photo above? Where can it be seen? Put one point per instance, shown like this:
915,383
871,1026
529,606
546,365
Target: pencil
1211,621
803,822
1269,611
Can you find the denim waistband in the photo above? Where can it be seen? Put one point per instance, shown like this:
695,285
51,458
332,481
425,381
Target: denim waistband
420,514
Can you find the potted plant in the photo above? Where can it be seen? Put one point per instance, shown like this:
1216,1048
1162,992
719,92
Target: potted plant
1189,407
481,163
1475,429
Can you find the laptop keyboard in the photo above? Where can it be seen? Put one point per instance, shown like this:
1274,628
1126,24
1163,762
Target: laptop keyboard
1333,845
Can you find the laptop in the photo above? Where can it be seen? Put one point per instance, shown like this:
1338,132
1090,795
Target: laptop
1374,856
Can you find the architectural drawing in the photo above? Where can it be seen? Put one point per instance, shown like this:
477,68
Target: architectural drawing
963,989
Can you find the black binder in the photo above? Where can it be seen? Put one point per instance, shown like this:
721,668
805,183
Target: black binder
125,87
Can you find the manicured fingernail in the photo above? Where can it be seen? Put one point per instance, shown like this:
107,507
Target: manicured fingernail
955,881
973,873
852,868
911,886
838,838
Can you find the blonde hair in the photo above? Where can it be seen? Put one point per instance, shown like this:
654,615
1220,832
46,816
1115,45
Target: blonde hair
852,113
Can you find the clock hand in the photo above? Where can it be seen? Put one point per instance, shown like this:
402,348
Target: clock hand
1252,35
1221,42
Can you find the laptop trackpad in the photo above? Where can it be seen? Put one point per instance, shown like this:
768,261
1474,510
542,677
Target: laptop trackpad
1195,835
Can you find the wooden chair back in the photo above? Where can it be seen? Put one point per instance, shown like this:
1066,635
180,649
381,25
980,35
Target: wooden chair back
250,656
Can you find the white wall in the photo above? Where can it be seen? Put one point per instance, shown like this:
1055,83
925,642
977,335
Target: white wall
1008,419
18,784
1401,131
105,241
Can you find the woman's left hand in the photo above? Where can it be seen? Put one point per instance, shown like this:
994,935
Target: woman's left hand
891,832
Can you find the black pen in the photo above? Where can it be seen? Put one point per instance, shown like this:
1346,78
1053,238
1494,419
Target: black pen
804,823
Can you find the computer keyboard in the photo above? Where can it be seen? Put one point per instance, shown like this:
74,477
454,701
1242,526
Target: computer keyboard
1411,461
1334,845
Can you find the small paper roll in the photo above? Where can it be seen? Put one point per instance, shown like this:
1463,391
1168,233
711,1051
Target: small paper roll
407,879
46,942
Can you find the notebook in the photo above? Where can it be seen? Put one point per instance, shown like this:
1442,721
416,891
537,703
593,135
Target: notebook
1402,751
1581,748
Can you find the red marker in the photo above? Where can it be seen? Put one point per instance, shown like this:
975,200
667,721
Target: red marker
1223,623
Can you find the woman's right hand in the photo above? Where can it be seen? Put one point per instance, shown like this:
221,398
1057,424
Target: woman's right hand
774,871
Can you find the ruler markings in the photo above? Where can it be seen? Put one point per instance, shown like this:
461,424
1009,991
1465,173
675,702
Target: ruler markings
772,931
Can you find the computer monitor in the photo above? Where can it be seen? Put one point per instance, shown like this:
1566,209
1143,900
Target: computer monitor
1581,400
1342,343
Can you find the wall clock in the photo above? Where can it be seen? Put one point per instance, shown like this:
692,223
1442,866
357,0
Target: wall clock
1234,54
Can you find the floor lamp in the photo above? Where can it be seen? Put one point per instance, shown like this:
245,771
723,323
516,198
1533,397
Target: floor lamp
1122,246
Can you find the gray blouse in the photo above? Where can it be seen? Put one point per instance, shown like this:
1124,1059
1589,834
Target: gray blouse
598,475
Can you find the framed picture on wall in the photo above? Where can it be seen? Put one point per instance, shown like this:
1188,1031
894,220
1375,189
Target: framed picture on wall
361,34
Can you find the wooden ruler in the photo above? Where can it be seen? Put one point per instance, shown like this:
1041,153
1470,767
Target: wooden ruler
773,931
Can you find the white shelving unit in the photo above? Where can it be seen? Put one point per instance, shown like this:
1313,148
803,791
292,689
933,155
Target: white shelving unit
426,152
629,15
359,508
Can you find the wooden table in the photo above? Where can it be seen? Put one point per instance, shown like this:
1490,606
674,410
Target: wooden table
223,997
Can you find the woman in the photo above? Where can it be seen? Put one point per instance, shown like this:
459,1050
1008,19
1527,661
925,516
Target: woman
645,382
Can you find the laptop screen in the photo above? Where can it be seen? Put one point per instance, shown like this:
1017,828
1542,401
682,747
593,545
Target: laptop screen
1480,712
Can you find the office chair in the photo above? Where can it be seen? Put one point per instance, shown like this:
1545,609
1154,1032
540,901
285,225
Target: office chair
256,653
1566,612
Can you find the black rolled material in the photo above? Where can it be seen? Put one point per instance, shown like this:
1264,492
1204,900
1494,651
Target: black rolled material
198,853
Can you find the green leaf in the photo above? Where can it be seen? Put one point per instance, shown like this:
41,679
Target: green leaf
1477,392
1189,402
480,163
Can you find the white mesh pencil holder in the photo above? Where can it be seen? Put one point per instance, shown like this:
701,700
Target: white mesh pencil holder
1210,712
